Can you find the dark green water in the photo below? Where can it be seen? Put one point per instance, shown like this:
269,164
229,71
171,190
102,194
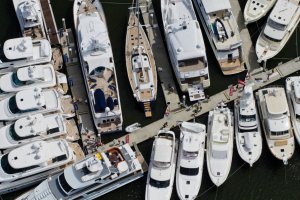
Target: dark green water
267,179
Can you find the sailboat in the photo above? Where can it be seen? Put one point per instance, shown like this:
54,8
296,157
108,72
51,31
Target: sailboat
140,62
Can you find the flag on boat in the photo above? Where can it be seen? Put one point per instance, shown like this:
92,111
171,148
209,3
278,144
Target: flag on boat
231,90
241,82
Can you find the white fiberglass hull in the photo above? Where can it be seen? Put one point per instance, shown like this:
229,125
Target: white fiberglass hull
249,144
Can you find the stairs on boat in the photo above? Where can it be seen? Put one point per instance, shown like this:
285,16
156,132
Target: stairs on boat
147,109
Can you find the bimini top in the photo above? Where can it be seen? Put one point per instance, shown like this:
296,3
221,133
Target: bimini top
284,11
36,153
21,48
163,151
276,101
215,5
191,142
30,99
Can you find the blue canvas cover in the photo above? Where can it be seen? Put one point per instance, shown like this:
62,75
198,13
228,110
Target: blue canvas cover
100,103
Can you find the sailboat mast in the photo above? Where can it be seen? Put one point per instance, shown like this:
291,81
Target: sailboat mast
138,22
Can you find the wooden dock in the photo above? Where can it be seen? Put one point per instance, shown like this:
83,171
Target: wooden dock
50,24
77,86
260,80
164,69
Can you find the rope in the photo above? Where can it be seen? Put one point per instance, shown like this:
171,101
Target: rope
115,3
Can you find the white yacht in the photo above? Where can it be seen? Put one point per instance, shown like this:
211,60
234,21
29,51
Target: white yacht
34,158
91,177
256,9
34,101
30,16
29,77
247,127
32,128
280,25
98,65
186,47
219,144
25,51
161,172
223,34
141,68
190,160
275,115
293,96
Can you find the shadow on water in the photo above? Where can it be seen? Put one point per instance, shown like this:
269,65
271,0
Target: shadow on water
267,179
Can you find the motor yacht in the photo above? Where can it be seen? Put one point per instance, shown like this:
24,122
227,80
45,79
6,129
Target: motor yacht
292,85
30,16
141,68
34,158
186,47
256,9
190,160
24,52
161,172
29,77
280,25
32,128
223,34
91,177
98,65
247,127
219,144
276,123
35,101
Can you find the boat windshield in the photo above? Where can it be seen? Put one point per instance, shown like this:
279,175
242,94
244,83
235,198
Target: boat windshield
12,104
197,62
276,25
161,164
10,170
159,184
247,118
272,39
279,133
190,154
16,80
15,136
189,171
219,154
62,182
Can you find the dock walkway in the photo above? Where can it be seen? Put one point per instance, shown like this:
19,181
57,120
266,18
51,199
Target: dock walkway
261,80
50,24
164,69
248,49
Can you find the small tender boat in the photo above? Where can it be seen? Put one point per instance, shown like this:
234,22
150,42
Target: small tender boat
275,115
247,127
219,144
190,160
161,172
255,10
292,85
133,127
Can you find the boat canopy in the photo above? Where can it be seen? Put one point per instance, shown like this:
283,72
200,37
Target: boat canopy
100,103
215,5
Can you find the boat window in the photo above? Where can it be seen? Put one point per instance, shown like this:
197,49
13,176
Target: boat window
159,184
276,25
272,39
64,184
59,158
12,104
190,154
189,171
247,118
161,164
15,136
190,62
16,80
279,133
247,130
10,170
297,116
97,71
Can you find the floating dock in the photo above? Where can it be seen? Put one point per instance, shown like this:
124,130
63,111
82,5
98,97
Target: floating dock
260,80
164,70
50,24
